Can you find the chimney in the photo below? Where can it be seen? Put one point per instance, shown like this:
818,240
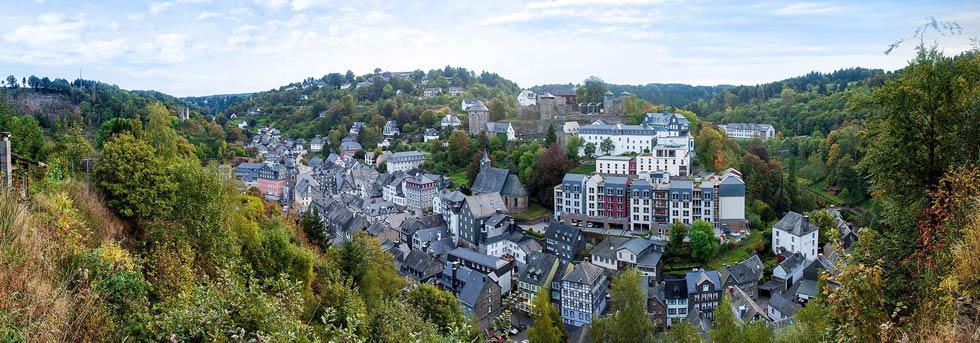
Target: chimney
5,166
806,221
731,290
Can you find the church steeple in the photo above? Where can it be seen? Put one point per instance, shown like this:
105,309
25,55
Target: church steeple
485,161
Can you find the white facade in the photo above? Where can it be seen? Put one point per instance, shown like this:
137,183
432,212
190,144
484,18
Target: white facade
527,98
748,131
507,247
806,245
615,165
403,161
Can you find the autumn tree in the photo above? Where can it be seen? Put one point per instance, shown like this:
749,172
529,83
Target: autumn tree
552,164
437,306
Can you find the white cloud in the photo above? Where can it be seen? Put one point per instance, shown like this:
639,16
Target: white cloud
207,15
135,17
171,47
569,3
51,28
157,7
807,8
581,11
302,5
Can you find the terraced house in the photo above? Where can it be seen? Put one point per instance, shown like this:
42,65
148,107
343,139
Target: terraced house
583,294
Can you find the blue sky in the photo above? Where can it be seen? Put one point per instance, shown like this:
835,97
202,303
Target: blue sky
199,47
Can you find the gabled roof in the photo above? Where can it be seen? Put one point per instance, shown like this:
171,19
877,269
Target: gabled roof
636,245
561,232
675,289
584,273
607,247
485,205
538,267
795,224
792,262
513,187
745,271
490,180
482,259
785,306
696,278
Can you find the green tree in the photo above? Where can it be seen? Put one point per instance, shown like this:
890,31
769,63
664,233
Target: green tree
593,91
551,137
703,242
629,321
161,134
437,306
724,329
677,233
498,110
548,327
589,150
573,146
314,229
607,146
134,178
459,148
12,82
682,332
828,226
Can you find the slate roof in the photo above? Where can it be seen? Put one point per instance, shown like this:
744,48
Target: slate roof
792,262
482,259
431,132
636,245
741,300
498,127
432,233
350,146
745,271
406,156
584,273
513,187
675,289
695,278
793,223
747,126
490,180
421,262
785,306
607,247
485,205
539,264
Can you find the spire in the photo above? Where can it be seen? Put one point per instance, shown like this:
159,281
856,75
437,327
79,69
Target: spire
485,161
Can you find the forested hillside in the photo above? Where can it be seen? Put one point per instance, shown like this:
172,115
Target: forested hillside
159,244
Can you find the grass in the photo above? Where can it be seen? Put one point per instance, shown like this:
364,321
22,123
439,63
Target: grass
587,168
819,188
534,211
740,253
459,177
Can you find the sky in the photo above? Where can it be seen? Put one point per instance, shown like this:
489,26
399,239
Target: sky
202,47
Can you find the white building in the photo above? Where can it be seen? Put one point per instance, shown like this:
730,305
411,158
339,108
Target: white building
570,127
430,135
615,165
748,131
795,234
504,128
527,98
660,134
390,129
419,191
450,121
403,161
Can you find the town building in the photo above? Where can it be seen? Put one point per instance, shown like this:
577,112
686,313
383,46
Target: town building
272,180
499,270
564,241
660,133
498,180
538,273
745,275
450,122
474,213
748,131
479,116
527,97
675,295
419,191
479,296
404,161
430,135
795,234
390,129
505,129
583,294
703,291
